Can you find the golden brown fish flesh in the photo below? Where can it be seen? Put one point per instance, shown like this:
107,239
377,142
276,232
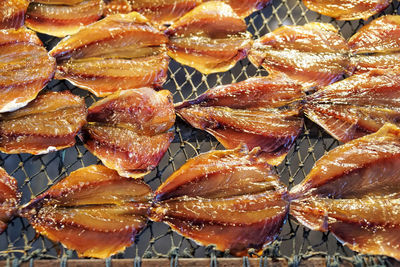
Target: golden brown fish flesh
48,123
166,12
377,45
62,19
230,199
25,68
93,211
314,54
117,7
251,112
9,199
119,52
356,106
130,130
347,9
353,191
210,38
12,13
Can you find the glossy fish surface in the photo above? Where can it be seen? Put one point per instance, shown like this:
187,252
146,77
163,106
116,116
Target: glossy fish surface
166,12
230,199
377,45
250,112
117,7
12,13
353,191
61,20
93,211
314,54
356,106
210,38
119,52
9,198
130,130
347,9
25,68
48,123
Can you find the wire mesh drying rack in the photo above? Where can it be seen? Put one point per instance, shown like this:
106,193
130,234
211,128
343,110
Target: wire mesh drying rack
35,174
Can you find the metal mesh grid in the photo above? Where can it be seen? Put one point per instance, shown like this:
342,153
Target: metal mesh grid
37,173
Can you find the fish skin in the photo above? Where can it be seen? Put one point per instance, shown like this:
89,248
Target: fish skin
119,52
122,126
12,13
356,106
347,9
210,38
93,211
48,123
251,112
25,68
376,45
9,198
230,199
63,20
353,192
314,54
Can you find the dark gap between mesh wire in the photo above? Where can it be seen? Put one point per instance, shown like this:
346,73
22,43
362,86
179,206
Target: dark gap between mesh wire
36,174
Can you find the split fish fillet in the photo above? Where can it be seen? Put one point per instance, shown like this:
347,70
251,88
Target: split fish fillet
353,191
347,9
314,54
93,211
356,106
250,112
47,124
230,199
9,199
12,13
60,19
119,52
25,68
377,45
130,130
210,38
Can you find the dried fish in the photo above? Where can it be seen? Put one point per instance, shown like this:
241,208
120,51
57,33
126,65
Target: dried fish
347,9
9,198
314,54
210,38
231,199
119,52
93,211
48,123
377,45
129,130
12,13
250,112
353,191
25,68
59,19
166,12
356,106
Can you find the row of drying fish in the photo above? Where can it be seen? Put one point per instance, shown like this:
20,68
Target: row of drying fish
63,17
125,51
231,199
264,112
